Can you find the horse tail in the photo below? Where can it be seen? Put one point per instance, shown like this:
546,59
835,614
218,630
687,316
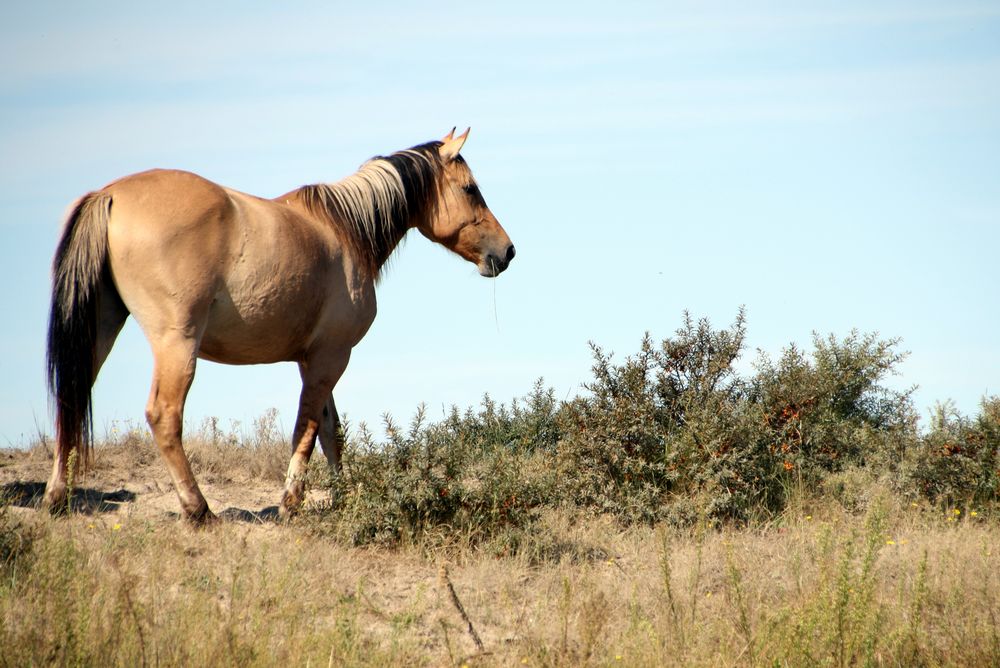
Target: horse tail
79,267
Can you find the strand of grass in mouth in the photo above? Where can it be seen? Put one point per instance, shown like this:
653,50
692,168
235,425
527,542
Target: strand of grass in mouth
496,320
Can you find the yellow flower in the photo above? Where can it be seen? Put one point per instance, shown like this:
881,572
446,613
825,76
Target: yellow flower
809,517
973,513
914,504
618,657
117,527
957,512
890,542
524,661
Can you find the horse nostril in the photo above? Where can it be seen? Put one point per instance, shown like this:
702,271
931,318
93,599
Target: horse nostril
510,253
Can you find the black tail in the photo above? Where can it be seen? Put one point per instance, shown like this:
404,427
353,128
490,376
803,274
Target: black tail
79,267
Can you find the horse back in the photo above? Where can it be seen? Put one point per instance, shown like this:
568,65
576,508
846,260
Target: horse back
252,277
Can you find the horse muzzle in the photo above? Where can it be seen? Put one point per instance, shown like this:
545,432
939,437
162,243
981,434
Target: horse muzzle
493,264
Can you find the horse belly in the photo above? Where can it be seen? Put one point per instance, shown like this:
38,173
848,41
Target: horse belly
258,331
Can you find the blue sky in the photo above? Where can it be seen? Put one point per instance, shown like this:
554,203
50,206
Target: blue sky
830,165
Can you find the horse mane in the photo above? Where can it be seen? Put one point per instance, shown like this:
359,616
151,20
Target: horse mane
373,208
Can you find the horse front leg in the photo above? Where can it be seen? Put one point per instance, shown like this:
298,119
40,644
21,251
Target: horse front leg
319,375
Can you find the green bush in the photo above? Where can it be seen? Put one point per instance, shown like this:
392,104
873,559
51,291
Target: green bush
672,423
461,477
832,411
677,422
676,433
531,423
957,463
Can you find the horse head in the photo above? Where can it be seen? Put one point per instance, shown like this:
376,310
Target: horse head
461,221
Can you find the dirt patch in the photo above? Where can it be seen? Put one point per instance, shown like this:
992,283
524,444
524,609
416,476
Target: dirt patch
116,484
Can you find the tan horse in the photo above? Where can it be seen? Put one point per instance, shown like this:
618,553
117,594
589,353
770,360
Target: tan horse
214,273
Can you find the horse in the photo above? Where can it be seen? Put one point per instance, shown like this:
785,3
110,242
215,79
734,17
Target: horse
213,273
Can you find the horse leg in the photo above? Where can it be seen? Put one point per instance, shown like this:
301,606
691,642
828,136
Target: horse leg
111,317
174,359
318,378
331,435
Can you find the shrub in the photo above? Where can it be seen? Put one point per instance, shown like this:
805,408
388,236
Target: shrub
958,461
463,477
833,411
678,421
670,423
531,423
672,433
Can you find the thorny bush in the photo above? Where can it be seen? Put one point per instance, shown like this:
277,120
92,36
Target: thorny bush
678,432
465,476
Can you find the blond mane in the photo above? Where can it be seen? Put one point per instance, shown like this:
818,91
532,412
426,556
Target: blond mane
373,208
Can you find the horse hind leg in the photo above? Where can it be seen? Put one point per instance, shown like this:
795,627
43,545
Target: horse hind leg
111,316
319,375
331,435
174,359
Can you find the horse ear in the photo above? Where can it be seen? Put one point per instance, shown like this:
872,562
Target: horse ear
452,145
448,137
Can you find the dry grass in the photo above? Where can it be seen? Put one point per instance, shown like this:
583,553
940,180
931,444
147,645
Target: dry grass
596,532
897,586
217,454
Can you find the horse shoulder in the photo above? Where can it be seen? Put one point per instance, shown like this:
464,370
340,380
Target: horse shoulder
349,305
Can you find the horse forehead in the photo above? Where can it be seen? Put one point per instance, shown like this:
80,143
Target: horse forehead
459,169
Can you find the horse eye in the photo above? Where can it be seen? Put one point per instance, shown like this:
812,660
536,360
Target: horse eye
471,189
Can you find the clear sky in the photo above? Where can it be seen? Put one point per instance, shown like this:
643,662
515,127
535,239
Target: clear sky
831,165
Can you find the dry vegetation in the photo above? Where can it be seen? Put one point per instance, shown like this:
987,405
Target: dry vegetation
897,585
678,514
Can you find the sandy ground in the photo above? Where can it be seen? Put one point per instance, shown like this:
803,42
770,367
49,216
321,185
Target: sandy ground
135,489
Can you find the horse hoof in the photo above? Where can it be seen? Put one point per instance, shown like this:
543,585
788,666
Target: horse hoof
291,500
203,517
55,502
288,509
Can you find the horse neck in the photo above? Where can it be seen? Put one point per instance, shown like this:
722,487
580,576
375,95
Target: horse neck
371,223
